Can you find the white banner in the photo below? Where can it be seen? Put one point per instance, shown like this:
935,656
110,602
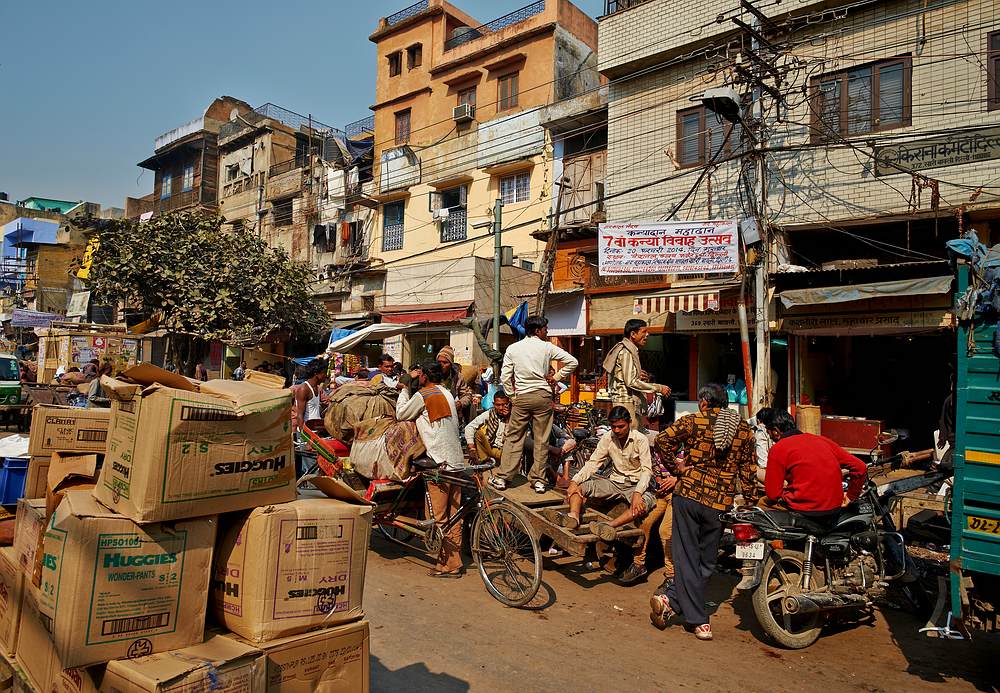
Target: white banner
668,247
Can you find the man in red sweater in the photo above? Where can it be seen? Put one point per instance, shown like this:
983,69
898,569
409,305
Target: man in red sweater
804,470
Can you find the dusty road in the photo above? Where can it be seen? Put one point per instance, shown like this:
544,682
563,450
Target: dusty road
591,634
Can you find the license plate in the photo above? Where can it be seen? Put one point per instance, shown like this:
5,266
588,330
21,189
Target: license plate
750,551
986,525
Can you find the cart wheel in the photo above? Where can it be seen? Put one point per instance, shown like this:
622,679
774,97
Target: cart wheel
506,550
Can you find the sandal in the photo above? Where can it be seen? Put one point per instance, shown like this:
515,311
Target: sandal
447,573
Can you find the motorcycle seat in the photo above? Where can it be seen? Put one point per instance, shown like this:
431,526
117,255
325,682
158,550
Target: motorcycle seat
790,519
580,434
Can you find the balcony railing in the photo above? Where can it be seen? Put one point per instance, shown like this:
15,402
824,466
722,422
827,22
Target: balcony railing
454,228
360,127
406,13
392,237
466,34
177,201
286,166
610,281
612,6
294,120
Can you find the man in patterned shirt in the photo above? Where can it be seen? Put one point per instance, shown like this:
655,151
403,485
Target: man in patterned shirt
719,448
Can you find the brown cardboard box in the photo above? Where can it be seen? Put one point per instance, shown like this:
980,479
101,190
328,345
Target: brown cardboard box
179,448
73,429
11,584
289,568
37,657
38,470
332,660
219,665
29,527
68,470
113,589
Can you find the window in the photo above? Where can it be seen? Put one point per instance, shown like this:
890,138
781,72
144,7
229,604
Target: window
453,227
515,188
701,137
281,212
414,56
166,183
187,182
403,127
993,71
395,63
507,96
863,99
232,172
527,265
392,226
467,96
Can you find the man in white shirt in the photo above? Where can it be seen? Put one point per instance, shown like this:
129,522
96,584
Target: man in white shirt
485,434
433,408
525,376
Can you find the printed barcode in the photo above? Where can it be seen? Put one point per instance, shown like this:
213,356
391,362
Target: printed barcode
91,436
127,407
311,532
134,624
207,414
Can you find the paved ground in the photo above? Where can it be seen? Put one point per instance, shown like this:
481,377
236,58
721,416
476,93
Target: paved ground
591,634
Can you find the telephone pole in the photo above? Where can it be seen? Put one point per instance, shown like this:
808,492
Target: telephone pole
497,264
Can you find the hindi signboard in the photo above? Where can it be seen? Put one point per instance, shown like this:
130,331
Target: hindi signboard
934,152
32,318
668,247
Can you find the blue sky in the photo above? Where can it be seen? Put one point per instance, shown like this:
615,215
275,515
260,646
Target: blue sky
87,86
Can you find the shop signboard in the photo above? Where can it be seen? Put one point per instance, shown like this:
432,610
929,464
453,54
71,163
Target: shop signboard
867,323
934,152
668,247
32,318
720,321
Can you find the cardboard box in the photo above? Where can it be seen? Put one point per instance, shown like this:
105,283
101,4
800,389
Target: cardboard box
219,665
113,589
11,584
332,660
179,448
68,471
37,657
290,568
67,429
38,470
28,529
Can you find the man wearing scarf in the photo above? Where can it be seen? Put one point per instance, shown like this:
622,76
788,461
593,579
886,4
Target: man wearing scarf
625,384
484,435
433,408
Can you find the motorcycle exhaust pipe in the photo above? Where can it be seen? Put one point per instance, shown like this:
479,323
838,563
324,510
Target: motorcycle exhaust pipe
814,602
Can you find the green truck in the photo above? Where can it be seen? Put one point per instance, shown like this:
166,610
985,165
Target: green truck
10,383
975,512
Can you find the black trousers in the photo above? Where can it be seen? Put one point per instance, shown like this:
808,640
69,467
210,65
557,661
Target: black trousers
695,548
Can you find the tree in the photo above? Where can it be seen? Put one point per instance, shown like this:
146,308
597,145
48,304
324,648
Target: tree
205,283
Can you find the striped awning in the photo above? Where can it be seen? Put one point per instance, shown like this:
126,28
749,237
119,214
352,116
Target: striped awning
698,301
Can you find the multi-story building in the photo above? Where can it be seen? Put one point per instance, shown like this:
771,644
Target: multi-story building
185,162
458,109
869,135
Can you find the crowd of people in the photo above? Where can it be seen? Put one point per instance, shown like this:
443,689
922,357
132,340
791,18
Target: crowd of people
674,482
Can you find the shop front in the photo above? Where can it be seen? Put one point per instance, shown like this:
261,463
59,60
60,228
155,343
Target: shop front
872,364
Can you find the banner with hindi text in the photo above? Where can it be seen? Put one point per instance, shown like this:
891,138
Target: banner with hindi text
668,247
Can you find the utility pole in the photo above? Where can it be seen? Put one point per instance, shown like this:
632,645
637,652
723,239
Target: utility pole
551,249
497,264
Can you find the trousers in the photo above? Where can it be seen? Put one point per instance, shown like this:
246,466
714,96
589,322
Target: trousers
532,409
484,451
663,511
694,548
445,501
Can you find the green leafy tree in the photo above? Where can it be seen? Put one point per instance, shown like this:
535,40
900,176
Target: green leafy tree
206,283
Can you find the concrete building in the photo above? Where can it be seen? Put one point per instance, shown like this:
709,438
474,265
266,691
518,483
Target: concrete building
185,163
882,126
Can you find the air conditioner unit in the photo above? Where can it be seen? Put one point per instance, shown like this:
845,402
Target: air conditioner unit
442,214
464,113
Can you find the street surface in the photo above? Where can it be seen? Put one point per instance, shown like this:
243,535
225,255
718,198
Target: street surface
591,634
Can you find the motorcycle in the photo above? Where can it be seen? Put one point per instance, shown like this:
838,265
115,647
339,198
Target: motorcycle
800,570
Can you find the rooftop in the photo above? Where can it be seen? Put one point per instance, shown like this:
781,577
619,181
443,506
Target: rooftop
177,133
270,111
464,35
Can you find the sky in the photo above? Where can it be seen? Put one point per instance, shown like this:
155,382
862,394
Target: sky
87,86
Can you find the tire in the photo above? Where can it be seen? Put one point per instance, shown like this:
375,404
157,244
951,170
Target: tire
506,551
793,632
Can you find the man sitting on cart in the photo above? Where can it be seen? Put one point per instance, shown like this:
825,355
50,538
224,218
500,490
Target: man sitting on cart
628,480
484,434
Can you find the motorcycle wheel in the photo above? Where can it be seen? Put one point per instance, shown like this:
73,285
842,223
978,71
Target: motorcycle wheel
783,570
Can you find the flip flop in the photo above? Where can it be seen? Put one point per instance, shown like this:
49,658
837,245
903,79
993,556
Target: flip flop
447,574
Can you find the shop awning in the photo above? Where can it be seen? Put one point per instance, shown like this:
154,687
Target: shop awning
861,292
687,302
567,315
367,334
448,311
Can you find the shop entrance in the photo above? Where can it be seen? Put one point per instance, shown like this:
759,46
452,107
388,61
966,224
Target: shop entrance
899,380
